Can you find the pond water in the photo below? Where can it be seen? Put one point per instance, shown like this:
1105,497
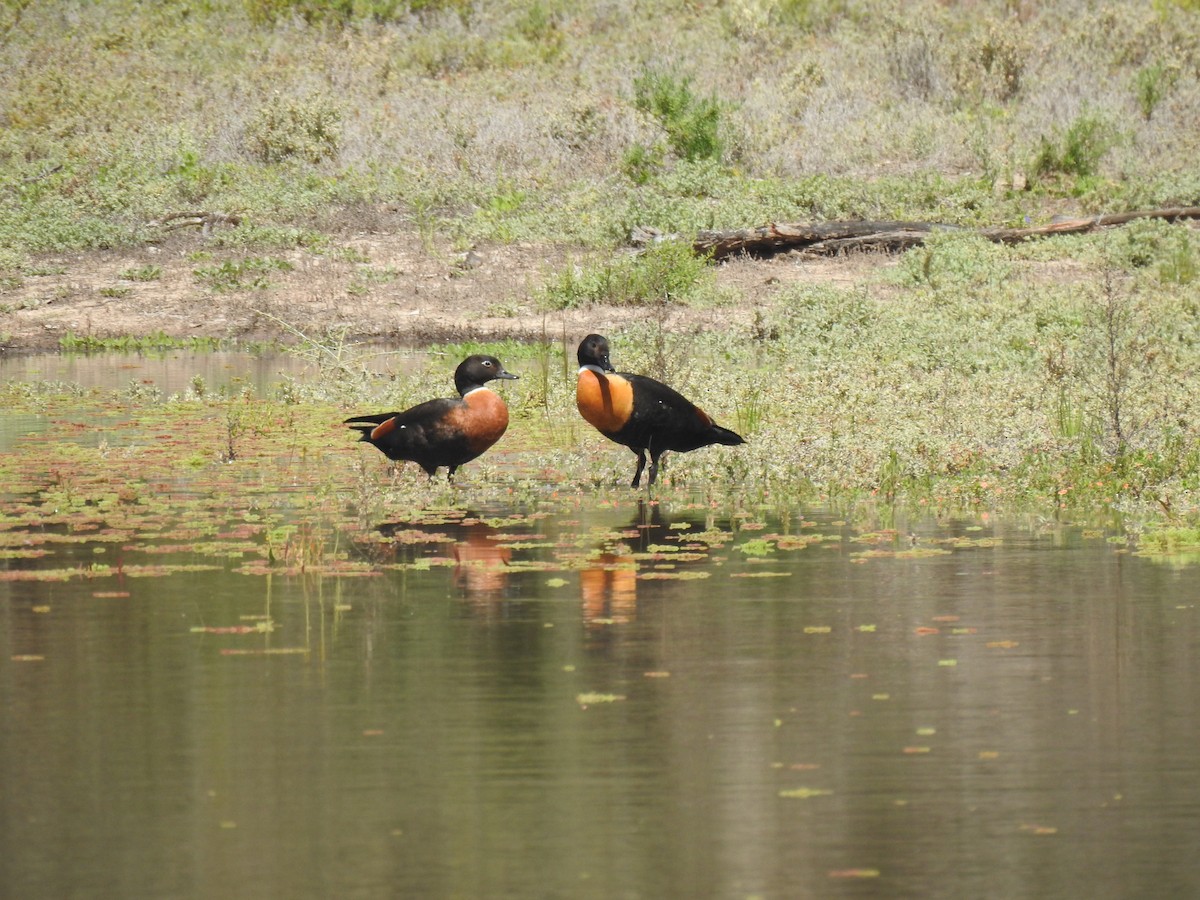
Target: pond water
597,695
170,371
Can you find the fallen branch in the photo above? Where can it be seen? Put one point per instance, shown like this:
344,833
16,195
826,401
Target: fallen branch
1076,226
826,238
205,221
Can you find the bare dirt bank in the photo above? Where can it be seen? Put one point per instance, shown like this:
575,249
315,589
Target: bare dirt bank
390,287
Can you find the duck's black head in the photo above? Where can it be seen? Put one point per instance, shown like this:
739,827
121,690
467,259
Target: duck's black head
478,370
593,351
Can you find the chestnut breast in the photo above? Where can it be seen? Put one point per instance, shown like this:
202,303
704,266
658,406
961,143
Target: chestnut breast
482,418
605,401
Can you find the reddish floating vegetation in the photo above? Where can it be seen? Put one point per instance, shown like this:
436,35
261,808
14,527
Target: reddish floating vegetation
204,548
43,574
155,571
340,569
260,628
416,536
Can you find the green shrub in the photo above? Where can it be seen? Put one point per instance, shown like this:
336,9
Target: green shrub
259,238
692,123
950,259
641,162
194,179
1078,151
664,274
1151,84
309,129
540,27
12,264
142,273
1166,251
806,15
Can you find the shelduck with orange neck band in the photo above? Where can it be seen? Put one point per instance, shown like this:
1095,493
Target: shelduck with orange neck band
643,414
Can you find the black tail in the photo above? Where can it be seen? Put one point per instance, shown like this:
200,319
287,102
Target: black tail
363,429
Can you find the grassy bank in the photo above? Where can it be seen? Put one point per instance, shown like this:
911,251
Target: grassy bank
966,375
965,378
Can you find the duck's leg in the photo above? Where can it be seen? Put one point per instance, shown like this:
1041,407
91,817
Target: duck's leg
655,456
637,476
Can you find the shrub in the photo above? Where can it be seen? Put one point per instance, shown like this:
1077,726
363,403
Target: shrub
664,274
12,262
692,123
641,162
1151,84
308,129
913,59
241,274
142,273
1078,151
992,65
955,260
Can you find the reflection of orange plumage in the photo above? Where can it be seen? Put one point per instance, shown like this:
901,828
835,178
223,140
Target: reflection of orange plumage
609,588
481,565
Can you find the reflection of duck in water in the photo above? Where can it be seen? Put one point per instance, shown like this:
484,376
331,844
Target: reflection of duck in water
609,584
480,562
609,587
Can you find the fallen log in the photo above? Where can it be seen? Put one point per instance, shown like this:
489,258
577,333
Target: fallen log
827,238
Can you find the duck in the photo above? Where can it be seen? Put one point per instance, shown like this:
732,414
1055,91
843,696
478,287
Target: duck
448,431
643,414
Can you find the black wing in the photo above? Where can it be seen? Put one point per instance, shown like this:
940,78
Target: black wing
665,419
398,431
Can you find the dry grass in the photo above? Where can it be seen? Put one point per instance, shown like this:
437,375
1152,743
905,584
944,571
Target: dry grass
164,105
